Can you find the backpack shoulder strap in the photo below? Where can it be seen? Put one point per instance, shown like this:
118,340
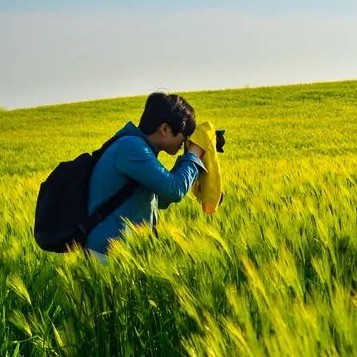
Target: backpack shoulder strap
99,152
108,207
114,201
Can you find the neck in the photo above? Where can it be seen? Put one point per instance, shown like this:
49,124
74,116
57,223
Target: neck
154,141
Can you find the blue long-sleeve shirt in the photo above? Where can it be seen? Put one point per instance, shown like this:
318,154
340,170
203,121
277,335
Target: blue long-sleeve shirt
132,157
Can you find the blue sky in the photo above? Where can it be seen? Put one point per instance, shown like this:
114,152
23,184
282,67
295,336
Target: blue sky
65,51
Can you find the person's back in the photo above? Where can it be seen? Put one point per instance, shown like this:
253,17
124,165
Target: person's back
166,123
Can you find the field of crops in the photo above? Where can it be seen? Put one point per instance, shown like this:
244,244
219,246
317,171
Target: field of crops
273,273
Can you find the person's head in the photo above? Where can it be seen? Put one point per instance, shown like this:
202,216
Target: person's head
169,120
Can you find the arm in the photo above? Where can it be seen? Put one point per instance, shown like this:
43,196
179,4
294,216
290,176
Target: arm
198,153
137,161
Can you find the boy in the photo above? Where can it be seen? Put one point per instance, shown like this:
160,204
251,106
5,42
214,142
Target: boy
166,123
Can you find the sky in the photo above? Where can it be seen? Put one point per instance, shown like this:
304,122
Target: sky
72,50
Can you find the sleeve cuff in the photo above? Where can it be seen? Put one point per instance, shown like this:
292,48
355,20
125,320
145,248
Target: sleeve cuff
193,158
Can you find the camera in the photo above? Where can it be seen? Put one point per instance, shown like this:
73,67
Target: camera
220,140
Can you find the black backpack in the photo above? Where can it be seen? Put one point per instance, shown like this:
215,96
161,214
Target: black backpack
61,217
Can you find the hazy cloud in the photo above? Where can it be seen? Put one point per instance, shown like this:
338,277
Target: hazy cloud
60,57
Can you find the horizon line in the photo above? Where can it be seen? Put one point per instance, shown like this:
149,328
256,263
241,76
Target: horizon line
181,91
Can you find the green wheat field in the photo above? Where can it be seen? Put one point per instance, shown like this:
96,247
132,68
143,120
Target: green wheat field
272,273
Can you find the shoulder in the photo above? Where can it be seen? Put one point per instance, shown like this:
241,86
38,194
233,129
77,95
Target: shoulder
132,146
131,142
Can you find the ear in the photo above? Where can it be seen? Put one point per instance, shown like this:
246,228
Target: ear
164,129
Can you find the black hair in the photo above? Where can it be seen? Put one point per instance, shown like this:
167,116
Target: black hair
167,108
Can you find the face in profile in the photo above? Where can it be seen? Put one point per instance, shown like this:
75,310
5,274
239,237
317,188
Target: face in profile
173,143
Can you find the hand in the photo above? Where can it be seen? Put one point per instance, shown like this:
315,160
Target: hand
195,149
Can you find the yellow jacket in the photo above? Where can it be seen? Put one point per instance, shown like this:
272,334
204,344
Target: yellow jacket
208,188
